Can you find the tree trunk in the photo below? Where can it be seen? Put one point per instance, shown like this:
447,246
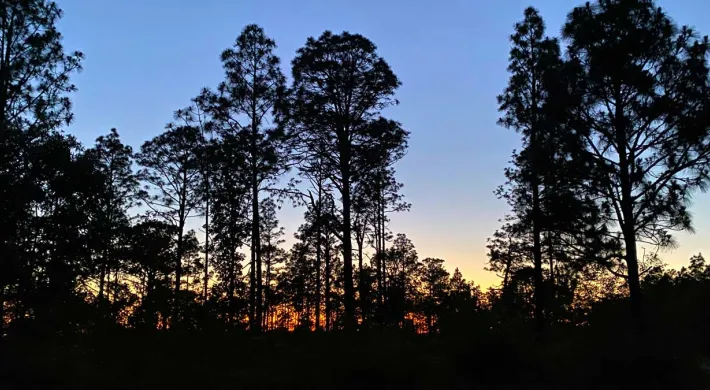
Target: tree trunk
362,290
537,257
318,258
506,276
207,246
378,261
536,216
256,227
102,282
148,300
327,281
631,256
383,245
349,298
252,291
230,287
181,227
267,295
178,269
628,228
551,255
256,256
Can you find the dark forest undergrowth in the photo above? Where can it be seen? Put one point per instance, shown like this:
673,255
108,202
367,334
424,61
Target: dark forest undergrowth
573,359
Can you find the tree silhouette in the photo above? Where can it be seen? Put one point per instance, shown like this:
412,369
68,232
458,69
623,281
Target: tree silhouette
435,285
98,255
230,224
114,162
172,176
195,116
253,89
643,87
532,57
340,84
34,103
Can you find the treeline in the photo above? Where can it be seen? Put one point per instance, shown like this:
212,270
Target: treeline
99,236
614,117
615,139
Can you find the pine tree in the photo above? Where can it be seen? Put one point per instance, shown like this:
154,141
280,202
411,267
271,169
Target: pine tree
34,103
435,285
114,162
643,111
170,170
251,94
340,84
531,58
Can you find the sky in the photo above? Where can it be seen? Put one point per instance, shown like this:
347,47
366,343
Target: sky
145,59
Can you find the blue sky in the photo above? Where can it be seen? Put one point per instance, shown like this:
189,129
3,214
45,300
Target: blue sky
145,59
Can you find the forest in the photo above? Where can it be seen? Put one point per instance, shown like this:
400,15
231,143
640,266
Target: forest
163,264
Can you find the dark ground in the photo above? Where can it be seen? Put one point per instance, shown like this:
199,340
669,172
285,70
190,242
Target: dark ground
130,360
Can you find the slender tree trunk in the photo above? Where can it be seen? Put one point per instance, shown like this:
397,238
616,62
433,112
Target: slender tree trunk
327,281
178,269
207,246
252,290
383,251
148,300
230,286
267,294
348,253
537,257
179,250
362,289
115,292
256,251
256,227
536,215
378,261
430,320
551,256
318,257
181,227
506,277
102,282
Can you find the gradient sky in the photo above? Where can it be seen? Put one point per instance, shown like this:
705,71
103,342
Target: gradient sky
147,58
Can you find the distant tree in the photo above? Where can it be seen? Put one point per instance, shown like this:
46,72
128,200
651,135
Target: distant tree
230,194
298,284
152,256
194,115
402,272
698,268
532,57
114,162
642,84
340,84
271,239
377,194
462,303
317,197
252,94
170,171
435,286
57,242
507,250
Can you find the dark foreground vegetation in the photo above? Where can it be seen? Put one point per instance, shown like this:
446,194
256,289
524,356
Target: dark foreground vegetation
165,267
603,355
